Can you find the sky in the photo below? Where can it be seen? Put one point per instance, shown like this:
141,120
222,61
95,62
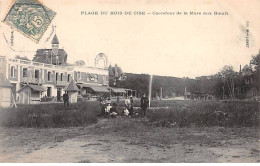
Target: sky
168,45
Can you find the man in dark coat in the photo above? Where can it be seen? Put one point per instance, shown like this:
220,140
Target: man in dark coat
144,104
66,99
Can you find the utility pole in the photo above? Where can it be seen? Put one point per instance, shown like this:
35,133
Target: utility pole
150,90
161,93
258,74
223,93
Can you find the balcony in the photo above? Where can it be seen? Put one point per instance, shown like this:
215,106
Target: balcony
61,83
80,80
31,80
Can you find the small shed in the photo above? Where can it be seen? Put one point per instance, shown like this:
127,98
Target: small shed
5,92
72,91
118,92
30,94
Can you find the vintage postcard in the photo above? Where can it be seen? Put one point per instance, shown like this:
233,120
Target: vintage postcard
129,81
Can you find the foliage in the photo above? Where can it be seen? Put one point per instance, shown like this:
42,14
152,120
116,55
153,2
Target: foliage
50,115
228,76
207,114
227,83
255,61
169,85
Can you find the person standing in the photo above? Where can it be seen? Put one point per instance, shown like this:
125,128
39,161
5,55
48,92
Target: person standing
103,106
128,105
131,99
144,104
130,108
66,99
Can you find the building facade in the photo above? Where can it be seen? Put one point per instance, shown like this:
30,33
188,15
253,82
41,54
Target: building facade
49,70
5,92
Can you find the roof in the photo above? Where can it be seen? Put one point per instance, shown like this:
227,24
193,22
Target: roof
91,75
119,90
112,71
187,93
84,85
197,92
100,88
45,55
72,87
95,88
33,87
55,40
4,82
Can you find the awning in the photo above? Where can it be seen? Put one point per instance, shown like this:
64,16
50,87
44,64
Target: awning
33,87
85,85
91,75
118,90
100,88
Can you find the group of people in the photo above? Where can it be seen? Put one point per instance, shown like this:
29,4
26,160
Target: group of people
109,109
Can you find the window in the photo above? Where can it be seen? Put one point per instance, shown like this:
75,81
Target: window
49,91
96,77
104,78
49,76
61,75
78,74
88,79
12,71
68,77
92,77
25,72
37,74
57,74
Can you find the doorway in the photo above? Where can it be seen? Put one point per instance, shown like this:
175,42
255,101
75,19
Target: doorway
49,92
26,97
58,94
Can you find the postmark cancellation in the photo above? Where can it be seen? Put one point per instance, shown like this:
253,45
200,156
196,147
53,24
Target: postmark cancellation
30,17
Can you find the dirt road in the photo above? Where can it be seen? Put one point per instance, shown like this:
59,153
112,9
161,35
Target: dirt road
129,140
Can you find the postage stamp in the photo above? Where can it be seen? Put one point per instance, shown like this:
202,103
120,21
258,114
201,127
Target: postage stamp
30,17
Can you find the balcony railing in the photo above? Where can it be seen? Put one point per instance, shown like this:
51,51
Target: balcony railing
61,83
31,80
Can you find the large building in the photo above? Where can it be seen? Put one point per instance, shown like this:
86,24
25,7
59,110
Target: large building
48,74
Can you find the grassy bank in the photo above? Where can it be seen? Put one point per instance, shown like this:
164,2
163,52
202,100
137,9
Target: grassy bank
204,113
50,115
163,113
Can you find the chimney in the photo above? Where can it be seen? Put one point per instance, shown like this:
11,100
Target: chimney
116,72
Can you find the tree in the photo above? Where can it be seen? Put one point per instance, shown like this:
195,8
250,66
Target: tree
256,70
228,75
255,61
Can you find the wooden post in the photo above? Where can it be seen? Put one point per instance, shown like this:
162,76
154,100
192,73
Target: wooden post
14,102
150,90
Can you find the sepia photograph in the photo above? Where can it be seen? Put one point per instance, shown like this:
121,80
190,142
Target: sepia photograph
129,81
